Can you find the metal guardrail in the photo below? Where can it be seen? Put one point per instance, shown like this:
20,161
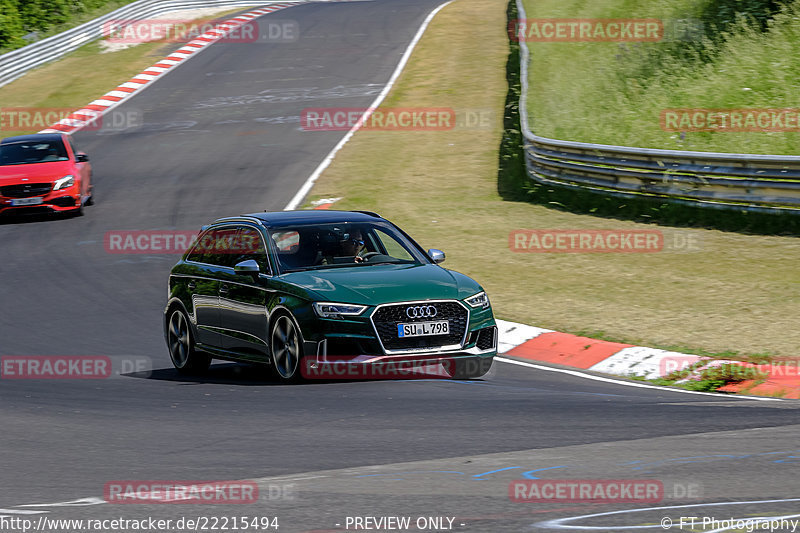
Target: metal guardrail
17,62
759,183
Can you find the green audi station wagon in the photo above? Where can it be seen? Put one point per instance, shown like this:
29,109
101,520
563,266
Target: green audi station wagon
301,289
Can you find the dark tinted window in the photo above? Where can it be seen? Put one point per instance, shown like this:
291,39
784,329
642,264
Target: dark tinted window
250,245
20,153
341,244
217,246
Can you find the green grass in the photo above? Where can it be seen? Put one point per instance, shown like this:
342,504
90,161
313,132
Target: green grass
613,93
709,379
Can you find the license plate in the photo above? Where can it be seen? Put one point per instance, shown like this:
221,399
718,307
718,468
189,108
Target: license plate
27,201
421,329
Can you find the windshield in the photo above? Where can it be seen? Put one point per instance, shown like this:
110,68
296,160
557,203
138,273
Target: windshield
23,152
319,246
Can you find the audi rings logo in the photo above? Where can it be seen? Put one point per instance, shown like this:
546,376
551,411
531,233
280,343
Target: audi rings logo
421,311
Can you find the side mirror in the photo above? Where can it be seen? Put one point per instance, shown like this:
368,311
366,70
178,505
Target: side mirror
436,255
81,158
248,267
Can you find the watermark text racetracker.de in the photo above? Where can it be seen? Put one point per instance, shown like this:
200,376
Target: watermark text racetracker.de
586,490
179,242
38,118
601,241
602,490
362,367
395,118
221,492
586,30
19,367
735,370
731,120
183,30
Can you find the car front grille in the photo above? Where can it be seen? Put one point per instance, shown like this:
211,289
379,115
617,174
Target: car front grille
25,190
386,319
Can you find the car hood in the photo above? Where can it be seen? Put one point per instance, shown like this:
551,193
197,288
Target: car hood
377,284
34,172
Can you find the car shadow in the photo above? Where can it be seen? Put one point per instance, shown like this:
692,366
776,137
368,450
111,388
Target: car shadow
34,217
218,374
249,375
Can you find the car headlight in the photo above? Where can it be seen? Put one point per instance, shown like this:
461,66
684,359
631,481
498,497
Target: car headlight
478,300
334,310
63,183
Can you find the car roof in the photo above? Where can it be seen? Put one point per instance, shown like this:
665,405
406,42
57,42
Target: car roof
312,216
33,137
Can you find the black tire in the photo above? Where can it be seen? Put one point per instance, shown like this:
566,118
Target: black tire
286,348
471,367
184,356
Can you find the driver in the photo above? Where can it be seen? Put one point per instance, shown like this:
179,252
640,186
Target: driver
354,246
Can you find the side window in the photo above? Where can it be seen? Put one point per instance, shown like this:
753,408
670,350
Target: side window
216,246
287,242
250,245
392,247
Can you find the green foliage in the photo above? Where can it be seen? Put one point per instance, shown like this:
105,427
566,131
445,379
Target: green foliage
697,41
721,15
710,379
21,17
703,385
40,15
732,373
11,27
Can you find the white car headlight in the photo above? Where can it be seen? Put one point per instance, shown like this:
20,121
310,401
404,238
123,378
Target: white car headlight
478,300
334,310
63,183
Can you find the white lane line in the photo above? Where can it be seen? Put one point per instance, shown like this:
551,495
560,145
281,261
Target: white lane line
74,503
266,479
633,384
301,194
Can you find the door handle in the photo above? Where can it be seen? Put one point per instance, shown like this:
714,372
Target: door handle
192,285
223,289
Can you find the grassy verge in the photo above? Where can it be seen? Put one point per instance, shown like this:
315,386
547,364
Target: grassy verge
708,381
614,93
731,293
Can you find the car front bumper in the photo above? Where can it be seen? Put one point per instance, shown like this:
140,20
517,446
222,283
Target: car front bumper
352,347
54,201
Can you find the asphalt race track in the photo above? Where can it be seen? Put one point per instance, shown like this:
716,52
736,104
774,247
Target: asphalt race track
221,137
